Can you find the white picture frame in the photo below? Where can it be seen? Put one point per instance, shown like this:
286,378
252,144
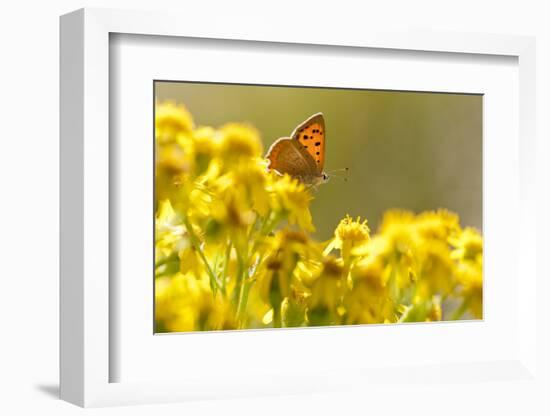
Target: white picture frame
85,342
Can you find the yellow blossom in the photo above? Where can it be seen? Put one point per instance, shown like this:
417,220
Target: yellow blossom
355,231
205,148
285,251
170,120
468,245
238,142
468,253
170,233
326,293
248,182
440,224
185,303
349,235
435,269
470,278
291,199
294,310
369,301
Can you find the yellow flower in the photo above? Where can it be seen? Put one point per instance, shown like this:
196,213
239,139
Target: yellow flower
440,224
371,271
435,269
205,148
174,248
185,303
170,120
396,218
174,147
398,243
468,245
398,231
172,314
239,142
356,232
174,161
248,182
231,210
349,235
169,231
369,301
174,158
470,278
194,198
326,293
284,251
253,180
294,310
468,253
291,199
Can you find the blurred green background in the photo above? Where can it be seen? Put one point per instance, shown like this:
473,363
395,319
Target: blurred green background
413,150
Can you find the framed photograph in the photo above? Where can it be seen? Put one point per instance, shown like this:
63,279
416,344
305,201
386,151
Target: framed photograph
247,238
283,212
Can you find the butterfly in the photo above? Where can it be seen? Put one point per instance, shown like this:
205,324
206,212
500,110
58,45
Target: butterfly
302,155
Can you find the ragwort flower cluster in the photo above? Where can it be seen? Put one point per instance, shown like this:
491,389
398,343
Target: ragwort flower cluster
233,248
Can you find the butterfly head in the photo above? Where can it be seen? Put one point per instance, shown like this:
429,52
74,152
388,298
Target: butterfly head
316,180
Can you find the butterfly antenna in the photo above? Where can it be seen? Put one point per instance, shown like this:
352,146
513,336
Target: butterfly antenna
344,176
339,170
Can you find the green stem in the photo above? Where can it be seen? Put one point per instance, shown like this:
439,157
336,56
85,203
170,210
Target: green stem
405,314
239,299
392,284
243,300
196,246
226,267
277,317
244,282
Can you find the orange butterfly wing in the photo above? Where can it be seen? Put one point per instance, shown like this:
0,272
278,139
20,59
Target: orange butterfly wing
311,134
287,156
